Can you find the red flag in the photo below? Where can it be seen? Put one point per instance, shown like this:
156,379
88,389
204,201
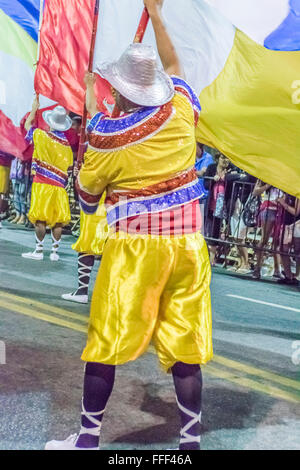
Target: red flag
12,140
66,36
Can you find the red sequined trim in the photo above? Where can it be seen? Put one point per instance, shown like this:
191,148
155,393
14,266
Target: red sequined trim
89,198
184,92
45,180
52,168
133,136
159,188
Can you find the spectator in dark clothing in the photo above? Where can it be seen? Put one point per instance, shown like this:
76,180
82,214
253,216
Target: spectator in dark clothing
215,183
291,237
270,221
73,136
203,160
239,186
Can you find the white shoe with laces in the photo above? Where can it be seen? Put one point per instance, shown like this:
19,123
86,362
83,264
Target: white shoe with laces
37,256
73,297
54,257
68,444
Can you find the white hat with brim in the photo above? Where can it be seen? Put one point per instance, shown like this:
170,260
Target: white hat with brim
58,119
137,77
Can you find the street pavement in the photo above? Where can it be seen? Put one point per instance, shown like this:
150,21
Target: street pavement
251,398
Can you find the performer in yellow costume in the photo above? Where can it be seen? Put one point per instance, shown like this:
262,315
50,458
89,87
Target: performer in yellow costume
90,244
154,278
52,159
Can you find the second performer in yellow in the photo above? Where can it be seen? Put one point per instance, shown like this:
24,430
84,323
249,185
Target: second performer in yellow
52,159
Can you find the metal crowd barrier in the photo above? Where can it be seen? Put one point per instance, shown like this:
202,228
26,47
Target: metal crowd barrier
230,230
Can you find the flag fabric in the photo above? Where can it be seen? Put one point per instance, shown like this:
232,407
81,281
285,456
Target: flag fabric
242,58
251,112
272,23
18,54
64,51
11,138
65,43
18,49
19,24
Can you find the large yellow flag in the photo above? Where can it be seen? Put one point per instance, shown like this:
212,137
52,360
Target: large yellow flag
242,58
251,113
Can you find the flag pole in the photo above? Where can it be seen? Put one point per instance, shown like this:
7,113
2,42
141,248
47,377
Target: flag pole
82,139
139,36
142,27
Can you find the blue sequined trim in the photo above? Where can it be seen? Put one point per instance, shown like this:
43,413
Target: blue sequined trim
60,135
49,174
182,83
88,208
29,135
164,202
111,126
94,121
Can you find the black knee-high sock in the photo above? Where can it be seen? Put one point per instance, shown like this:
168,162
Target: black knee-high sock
188,386
98,384
85,266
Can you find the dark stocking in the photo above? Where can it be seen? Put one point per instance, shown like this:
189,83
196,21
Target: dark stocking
85,266
188,386
98,385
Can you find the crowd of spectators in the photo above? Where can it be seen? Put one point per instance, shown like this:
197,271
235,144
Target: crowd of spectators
250,227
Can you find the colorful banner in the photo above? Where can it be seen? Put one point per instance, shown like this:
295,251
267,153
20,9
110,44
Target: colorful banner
64,53
250,95
19,21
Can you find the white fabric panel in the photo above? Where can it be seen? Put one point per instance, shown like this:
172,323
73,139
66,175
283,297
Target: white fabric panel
257,18
202,36
17,88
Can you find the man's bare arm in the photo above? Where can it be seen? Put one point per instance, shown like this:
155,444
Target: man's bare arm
165,46
91,100
31,117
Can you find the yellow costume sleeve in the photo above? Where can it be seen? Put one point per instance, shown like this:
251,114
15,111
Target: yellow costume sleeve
93,178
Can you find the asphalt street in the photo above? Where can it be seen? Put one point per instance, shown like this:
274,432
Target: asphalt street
251,396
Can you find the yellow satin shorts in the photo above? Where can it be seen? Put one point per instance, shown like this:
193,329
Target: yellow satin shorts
152,289
4,179
49,204
93,232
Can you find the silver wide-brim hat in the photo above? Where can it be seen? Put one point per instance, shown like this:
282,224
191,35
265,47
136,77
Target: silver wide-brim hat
58,119
137,77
